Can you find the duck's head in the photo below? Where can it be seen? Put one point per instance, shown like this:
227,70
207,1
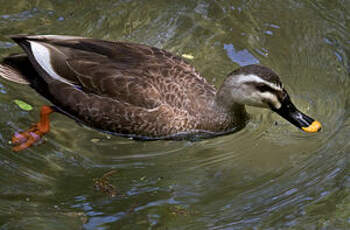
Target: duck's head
256,85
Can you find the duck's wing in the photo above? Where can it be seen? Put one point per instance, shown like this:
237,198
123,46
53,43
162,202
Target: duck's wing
125,71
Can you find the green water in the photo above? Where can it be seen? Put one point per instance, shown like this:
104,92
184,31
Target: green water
267,176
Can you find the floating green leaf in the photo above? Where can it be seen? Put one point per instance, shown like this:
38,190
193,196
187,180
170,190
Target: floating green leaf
24,106
187,56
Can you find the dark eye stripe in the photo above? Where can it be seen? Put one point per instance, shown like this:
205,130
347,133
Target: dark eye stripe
266,88
263,88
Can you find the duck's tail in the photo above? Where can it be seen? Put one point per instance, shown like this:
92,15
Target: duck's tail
10,69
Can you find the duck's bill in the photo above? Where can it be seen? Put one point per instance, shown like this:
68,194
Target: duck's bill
289,112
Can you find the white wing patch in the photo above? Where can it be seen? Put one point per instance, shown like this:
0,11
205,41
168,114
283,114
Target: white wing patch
42,56
54,37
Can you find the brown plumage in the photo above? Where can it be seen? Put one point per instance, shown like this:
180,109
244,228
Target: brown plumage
136,90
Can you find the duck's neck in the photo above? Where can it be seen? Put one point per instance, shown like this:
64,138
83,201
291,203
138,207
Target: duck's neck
225,114
226,104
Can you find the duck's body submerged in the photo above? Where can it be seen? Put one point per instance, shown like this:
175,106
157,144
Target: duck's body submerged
137,90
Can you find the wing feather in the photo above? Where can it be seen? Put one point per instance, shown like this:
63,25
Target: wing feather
136,74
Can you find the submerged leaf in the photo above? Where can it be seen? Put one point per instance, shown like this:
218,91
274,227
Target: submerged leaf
24,106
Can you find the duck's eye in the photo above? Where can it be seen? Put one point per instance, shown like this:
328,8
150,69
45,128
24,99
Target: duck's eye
263,88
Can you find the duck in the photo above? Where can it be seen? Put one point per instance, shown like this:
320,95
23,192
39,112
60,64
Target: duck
139,91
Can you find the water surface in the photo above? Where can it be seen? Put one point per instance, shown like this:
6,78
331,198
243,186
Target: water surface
267,176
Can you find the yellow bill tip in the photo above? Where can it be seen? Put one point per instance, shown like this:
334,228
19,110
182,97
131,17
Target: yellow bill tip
314,127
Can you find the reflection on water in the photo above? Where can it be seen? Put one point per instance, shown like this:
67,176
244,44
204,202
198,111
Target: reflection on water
268,175
242,57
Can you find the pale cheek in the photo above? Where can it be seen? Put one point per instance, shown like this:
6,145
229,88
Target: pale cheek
278,105
272,99
253,99
243,96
